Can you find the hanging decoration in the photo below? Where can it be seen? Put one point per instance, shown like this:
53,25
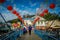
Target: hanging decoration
42,14
52,6
45,10
36,19
15,13
9,8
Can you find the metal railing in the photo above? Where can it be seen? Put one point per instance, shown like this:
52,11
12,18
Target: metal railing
13,35
46,35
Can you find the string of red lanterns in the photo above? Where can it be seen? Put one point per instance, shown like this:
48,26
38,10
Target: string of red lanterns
52,6
15,13
35,20
42,14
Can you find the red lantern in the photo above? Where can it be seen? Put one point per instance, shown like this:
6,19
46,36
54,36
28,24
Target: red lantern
14,11
45,11
20,18
17,14
2,1
9,8
42,14
52,6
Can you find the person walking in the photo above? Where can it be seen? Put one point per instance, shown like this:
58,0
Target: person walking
24,31
30,28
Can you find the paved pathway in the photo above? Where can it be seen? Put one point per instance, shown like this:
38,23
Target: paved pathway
29,37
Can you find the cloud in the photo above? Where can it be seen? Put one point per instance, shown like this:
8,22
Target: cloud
18,9
39,10
32,4
14,6
24,12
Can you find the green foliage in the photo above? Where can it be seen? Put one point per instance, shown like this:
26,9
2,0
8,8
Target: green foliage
28,16
52,16
14,20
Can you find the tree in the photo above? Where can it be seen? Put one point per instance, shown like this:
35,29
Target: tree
59,16
53,17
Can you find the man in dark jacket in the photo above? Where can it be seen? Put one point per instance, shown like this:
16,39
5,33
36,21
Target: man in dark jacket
30,28
24,30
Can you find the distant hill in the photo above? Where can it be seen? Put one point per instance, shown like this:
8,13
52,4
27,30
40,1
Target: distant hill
28,16
14,20
24,16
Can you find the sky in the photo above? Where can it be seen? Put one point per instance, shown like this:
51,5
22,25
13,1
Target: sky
27,7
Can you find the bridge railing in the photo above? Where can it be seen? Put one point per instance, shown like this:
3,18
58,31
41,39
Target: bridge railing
13,35
46,35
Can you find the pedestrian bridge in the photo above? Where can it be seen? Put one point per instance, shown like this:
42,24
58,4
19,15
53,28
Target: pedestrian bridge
36,35
29,37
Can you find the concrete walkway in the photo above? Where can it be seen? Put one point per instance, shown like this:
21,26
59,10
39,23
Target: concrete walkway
29,37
